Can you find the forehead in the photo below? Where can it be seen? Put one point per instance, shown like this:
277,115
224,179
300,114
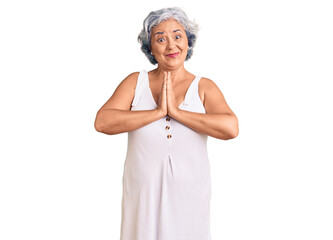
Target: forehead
168,26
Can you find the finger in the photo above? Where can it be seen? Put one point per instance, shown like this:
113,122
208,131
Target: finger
169,79
164,84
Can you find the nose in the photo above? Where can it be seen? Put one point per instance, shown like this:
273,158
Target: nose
171,44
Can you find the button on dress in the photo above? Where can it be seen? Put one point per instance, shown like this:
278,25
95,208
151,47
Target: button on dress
166,178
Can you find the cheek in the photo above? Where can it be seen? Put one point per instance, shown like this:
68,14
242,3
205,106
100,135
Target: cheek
157,48
184,43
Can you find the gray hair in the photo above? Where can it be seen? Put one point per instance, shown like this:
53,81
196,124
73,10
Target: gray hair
156,17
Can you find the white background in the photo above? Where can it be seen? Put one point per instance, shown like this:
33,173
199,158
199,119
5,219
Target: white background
62,60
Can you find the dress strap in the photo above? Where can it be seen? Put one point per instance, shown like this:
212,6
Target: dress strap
193,89
140,85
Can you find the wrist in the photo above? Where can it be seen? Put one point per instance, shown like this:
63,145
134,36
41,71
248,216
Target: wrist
159,113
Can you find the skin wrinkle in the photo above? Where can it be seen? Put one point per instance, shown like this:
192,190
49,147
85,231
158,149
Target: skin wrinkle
156,18
218,121
161,196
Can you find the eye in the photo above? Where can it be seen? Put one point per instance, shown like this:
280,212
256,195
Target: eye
178,37
160,40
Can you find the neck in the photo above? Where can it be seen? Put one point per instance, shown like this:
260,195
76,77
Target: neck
177,74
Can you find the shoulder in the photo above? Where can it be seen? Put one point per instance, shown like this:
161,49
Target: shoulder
207,84
213,98
208,87
132,77
124,93
129,82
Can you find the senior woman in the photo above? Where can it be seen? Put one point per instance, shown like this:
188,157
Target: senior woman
168,113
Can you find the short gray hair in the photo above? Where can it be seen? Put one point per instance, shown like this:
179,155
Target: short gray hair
156,17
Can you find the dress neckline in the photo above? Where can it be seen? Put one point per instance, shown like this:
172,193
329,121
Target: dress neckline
186,93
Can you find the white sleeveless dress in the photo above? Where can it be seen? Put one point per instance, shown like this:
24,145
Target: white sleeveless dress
166,179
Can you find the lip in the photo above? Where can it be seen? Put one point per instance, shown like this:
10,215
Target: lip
173,55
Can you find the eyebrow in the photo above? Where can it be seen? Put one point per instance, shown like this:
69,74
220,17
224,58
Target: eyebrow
172,31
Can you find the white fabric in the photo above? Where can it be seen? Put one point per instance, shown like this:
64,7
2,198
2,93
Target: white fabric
166,181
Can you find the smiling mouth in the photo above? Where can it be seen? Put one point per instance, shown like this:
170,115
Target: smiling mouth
173,55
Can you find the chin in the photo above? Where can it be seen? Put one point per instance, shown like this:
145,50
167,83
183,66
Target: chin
174,64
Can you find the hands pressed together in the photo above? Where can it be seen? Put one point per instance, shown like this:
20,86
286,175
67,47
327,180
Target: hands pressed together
167,103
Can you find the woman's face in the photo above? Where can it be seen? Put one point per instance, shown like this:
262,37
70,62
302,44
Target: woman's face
169,44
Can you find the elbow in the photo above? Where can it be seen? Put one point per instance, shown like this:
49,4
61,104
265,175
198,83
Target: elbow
104,124
231,135
233,129
99,123
234,133
98,126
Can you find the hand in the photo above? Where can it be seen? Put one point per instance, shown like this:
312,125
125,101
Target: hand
162,98
172,107
167,104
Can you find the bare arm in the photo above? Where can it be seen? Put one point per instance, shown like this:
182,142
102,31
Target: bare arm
115,116
219,121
